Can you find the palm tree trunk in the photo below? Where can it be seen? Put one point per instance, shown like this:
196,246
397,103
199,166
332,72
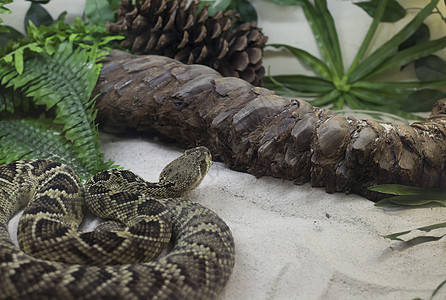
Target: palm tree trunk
252,130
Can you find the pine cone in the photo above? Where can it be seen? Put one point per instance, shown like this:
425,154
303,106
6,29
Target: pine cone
188,34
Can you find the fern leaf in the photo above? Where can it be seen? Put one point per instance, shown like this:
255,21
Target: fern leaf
34,138
11,100
65,81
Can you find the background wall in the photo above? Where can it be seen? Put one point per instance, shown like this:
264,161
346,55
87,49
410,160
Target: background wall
287,25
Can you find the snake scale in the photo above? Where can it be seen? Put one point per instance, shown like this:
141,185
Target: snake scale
111,262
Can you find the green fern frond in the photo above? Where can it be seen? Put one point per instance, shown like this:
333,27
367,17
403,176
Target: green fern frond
65,81
35,138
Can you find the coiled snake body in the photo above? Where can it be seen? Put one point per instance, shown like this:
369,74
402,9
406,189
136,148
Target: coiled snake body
111,262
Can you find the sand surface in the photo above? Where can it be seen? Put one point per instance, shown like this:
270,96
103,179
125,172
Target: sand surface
298,242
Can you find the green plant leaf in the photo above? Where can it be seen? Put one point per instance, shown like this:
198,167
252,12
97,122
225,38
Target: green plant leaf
10,35
4,10
307,85
422,100
393,10
413,200
409,55
369,36
313,62
430,68
65,81
352,101
397,87
38,16
409,195
114,4
376,59
329,97
321,26
438,288
11,100
35,138
421,35
18,61
397,189
332,35
99,11
288,2
39,1
397,236
376,97
214,6
246,10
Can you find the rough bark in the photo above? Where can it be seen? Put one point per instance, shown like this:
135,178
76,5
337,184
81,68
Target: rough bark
252,130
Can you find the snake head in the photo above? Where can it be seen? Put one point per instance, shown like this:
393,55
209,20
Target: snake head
187,171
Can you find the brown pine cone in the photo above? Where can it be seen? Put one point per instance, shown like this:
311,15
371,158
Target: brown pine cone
188,34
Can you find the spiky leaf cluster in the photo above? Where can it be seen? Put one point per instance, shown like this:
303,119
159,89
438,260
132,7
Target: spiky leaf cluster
357,86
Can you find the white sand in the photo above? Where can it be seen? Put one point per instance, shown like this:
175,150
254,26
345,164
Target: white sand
297,242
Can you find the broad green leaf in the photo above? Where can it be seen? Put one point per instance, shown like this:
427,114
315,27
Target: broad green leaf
386,203
7,58
393,10
329,26
397,189
374,97
422,100
35,48
18,61
409,55
397,87
396,236
11,35
380,55
326,43
352,101
396,110
369,36
284,90
301,83
288,2
99,11
4,10
430,68
114,4
421,35
416,200
246,10
383,96
326,98
39,1
38,16
313,62
215,6
409,195
438,288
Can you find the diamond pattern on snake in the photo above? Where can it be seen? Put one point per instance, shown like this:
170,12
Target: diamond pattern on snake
121,258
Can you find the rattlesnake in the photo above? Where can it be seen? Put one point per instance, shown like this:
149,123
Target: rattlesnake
199,262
